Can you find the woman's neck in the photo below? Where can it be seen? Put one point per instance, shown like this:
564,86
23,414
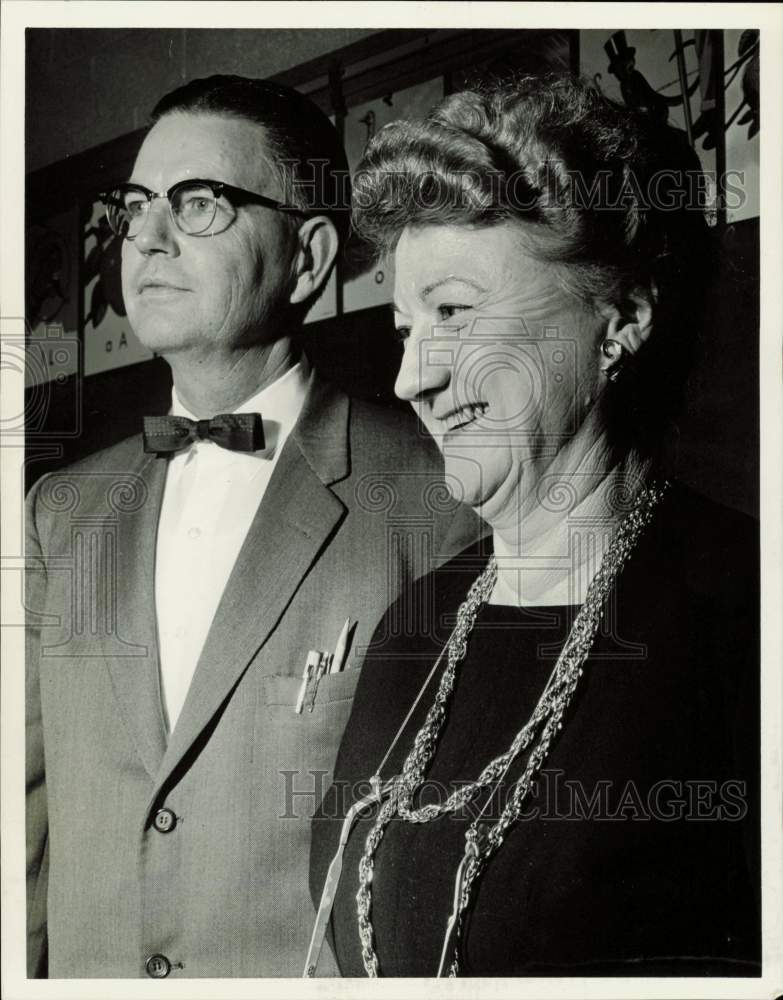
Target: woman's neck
563,528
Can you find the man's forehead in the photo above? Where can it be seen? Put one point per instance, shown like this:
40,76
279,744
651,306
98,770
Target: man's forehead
208,145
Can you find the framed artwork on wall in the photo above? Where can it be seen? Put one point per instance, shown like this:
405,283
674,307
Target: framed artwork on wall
705,83
108,339
51,299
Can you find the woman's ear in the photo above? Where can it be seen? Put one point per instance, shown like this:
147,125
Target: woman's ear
629,325
317,248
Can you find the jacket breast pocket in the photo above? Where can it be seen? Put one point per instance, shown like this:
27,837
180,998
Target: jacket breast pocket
296,752
282,691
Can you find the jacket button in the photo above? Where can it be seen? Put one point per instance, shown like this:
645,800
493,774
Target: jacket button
164,820
158,966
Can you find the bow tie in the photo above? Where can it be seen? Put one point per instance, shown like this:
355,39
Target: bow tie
235,431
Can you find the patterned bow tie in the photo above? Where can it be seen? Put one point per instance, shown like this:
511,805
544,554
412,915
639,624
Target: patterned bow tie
235,431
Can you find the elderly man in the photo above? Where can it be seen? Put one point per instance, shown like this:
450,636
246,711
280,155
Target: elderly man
181,724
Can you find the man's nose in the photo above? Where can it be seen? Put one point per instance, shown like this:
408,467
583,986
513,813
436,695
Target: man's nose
426,366
157,233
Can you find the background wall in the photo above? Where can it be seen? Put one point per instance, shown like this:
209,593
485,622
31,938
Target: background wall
86,86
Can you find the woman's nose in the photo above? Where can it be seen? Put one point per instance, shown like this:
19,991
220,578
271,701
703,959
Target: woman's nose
157,233
426,367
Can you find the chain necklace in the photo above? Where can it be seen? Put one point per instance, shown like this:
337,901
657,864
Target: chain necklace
544,724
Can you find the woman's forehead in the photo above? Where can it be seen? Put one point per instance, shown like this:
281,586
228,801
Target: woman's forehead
487,258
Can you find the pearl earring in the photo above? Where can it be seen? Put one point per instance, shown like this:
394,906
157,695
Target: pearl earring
615,354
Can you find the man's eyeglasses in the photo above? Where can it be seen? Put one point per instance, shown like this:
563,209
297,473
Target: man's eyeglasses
197,207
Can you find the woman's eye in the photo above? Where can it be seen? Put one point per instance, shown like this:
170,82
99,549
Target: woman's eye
402,333
450,310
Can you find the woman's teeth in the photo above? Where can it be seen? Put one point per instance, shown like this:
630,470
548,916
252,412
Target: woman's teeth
464,415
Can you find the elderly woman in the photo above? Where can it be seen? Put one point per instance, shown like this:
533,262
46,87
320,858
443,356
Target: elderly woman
549,763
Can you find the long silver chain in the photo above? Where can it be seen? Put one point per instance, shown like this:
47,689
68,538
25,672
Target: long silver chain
546,720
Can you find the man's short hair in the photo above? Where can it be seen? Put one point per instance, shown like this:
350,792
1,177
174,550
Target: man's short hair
303,142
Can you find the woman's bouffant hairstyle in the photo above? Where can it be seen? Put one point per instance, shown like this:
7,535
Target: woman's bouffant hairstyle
611,196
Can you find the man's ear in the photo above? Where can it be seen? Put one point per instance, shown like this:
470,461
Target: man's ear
317,248
629,323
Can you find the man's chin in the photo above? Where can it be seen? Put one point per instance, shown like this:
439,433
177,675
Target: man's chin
164,348
160,338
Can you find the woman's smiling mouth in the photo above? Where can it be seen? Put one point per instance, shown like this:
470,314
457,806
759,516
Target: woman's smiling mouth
464,416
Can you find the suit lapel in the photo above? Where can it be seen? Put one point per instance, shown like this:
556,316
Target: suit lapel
297,515
131,652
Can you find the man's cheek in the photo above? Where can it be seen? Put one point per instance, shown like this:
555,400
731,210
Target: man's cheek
126,274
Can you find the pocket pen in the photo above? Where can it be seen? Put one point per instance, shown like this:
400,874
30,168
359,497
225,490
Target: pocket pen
325,660
338,660
312,663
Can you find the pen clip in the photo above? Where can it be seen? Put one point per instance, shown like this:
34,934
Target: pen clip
312,663
324,662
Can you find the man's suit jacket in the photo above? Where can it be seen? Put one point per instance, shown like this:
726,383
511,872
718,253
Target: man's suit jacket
354,510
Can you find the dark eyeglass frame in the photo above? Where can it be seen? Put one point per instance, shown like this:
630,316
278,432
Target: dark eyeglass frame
235,195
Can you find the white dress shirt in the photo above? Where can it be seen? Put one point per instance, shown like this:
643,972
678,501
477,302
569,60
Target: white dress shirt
209,501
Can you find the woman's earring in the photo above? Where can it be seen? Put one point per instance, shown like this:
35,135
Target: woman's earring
616,356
